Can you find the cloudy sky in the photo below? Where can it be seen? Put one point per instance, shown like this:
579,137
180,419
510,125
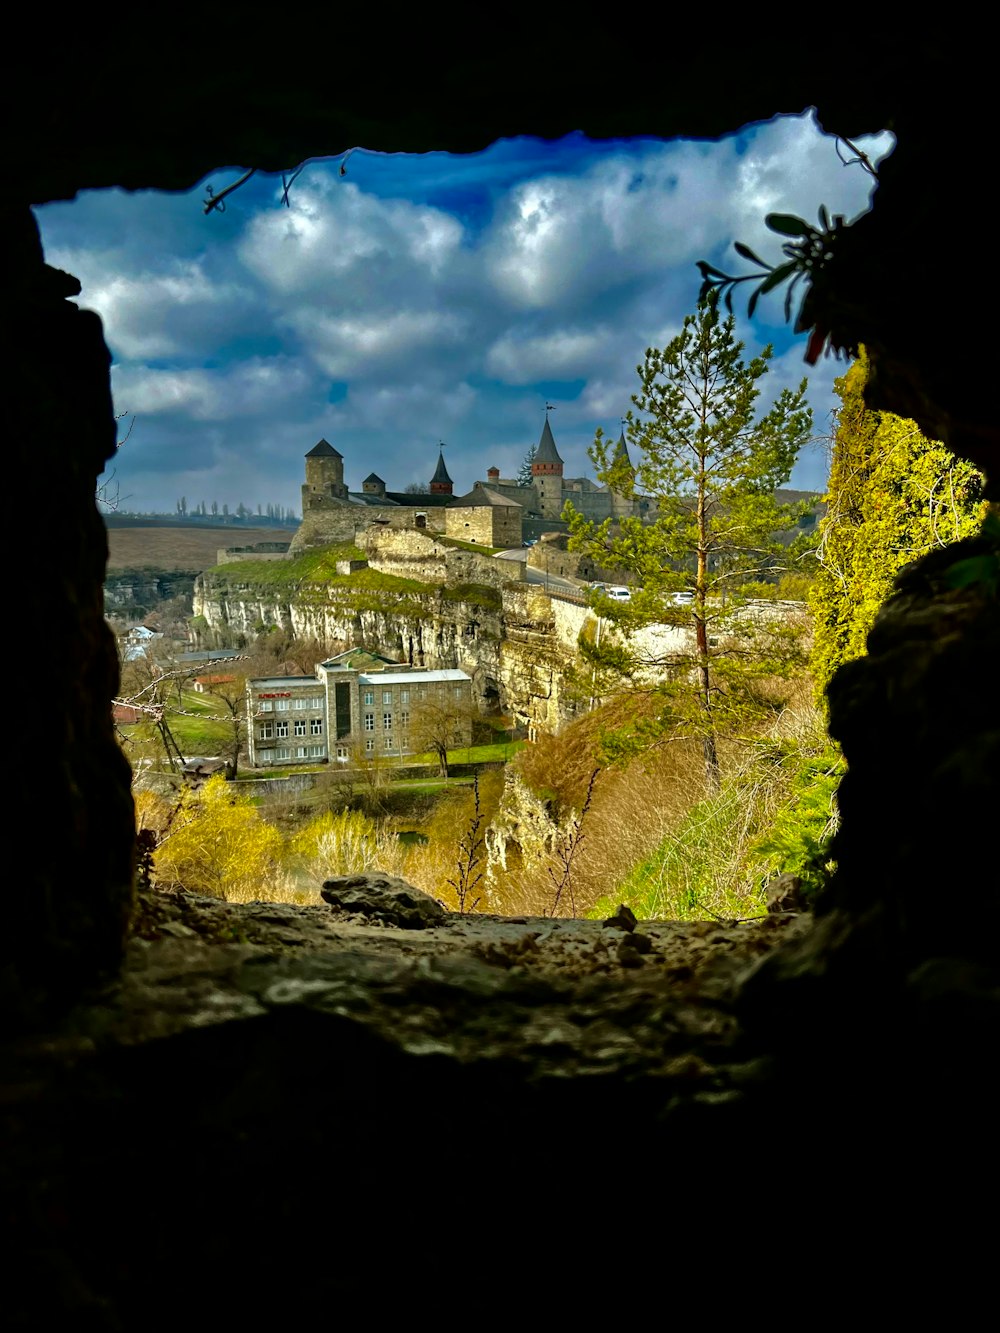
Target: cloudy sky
421,298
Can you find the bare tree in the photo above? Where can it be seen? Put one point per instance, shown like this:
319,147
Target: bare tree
441,724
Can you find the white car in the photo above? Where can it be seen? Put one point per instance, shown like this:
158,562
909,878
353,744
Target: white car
682,598
618,594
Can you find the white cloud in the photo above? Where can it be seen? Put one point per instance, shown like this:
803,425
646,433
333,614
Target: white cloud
246,389
518,358
360,346
334,233
430,323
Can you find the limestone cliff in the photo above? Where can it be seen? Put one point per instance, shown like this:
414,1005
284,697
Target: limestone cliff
516,643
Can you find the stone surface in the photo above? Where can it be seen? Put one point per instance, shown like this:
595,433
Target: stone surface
385,898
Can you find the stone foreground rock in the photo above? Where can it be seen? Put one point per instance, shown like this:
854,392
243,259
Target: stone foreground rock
384,898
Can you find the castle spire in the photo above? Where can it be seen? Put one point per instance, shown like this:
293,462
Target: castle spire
441,482
546,455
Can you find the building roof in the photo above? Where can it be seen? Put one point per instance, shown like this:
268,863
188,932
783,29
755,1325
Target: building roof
323,450
441,472
374,501
354,659
284,682
405,677
484,495
546,451
415,499
373,476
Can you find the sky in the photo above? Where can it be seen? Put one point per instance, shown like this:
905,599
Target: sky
421,298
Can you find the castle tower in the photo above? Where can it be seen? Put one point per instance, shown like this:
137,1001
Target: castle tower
441,483
373,485
621,505
493,474
324,476
547,474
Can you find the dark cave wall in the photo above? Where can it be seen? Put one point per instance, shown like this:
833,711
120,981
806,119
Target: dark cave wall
69,798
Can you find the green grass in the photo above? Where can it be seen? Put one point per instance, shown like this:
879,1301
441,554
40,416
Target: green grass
311,566
773,814
468,546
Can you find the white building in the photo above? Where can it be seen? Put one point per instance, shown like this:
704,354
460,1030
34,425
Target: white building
343,712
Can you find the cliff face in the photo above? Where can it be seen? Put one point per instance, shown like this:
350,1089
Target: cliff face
425,630
518,646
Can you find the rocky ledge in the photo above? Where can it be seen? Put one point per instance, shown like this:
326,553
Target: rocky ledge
290,1106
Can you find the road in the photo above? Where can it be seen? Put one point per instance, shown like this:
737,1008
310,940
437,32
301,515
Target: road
538,577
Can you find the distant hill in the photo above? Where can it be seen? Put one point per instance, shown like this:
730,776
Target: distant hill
159,544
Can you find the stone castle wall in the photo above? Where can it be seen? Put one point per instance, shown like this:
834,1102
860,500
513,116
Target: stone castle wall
417,555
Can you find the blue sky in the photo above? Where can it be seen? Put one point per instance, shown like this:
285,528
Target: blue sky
428,297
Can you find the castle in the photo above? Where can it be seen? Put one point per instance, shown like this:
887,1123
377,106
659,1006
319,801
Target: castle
496,512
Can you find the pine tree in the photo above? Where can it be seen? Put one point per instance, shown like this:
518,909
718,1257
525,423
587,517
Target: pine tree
893,496
524,474
711,467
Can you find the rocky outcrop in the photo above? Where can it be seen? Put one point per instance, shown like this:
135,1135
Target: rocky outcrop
135,593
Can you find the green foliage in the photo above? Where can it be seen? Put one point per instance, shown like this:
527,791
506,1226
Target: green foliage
345,842
773,813
798,841
807,253
217,843
893,496
711,464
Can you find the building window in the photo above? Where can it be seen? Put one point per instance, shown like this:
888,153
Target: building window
316,726
300,752
342,755
265,705
316,702
369,698
301,703
388,742
315,751
404,743
281,754
369,721
281,729
370,744
458,691
266,731
281,705
404,718
386,697
404,696
387,721
300,726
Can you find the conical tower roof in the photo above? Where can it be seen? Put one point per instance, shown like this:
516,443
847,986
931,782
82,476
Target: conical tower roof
546,451
441,472
323,450
621,450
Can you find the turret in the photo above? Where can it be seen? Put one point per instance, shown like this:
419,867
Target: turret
547,473
441,483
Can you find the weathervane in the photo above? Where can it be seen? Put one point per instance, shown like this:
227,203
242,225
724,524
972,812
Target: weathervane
549,407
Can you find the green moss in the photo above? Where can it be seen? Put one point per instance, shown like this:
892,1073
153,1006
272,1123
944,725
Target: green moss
310,567
475,594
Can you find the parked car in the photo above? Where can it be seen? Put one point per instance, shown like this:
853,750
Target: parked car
682,598
618,594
